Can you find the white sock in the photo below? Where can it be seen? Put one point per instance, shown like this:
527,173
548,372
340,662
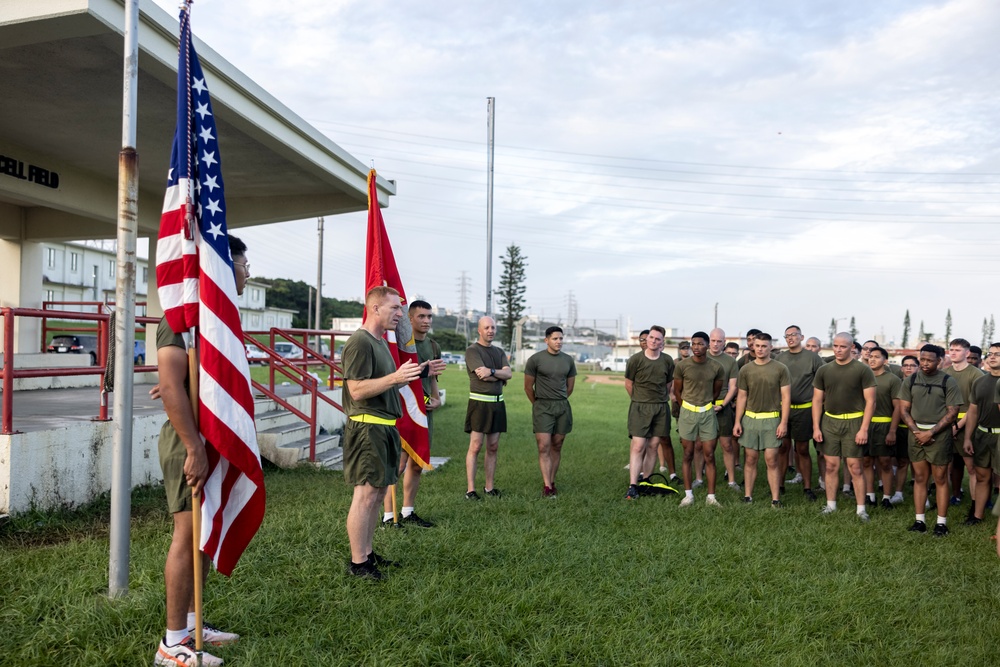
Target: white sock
922,518
832,504
711,496
191,620
942,520
689,493
871,496
407,511
388,516
175,637
847,488
822,484
861,509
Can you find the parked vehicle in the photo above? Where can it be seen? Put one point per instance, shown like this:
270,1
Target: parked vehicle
255,355
451,358
616,364
139,353
288,351
75,345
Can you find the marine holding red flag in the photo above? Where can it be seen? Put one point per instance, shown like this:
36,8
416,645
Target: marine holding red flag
200,271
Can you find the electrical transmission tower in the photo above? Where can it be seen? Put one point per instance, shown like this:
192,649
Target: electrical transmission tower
571,311
462,321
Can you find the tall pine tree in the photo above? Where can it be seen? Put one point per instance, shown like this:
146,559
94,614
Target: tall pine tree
906,328
511,292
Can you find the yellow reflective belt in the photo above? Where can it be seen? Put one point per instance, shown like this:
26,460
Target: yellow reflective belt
486,398
720,401
762,415
846,415
372,419
881,420
989,430
924,427
961,415
802,405
696,408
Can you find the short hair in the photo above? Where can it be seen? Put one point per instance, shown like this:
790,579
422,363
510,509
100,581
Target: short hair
657,327
760,335
236,246
975,349
683,345
644,332
880,350
961,342
793,326
910,357
992,345
700,334
754,332
936,350
552,330
419,303
858,346
378,293
732,346
870,341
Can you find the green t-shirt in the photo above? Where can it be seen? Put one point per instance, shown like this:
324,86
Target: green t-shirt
930,395
984,395
649,377
763,383
965,378
699,380
492,357
729,366
367,358
427,349
888,387
843,386
802,367
550,372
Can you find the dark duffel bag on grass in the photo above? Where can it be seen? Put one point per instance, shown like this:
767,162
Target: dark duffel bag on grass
656,485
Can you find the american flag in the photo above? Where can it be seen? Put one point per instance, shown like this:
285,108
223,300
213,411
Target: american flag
197,288
380,269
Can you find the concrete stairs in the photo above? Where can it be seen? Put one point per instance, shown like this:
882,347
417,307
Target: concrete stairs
283,438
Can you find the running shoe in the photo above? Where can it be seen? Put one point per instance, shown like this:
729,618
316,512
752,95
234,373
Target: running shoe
864,517
633,492
887,504
735,486
828,510
492,493
472,495
776,504
940,530
810,495
747,499
379,561
414,520
688,501
973,521
918,527
184,654
795,480
696,483
712,502
366,570
215,637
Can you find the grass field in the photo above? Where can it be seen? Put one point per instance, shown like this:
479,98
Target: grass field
583,579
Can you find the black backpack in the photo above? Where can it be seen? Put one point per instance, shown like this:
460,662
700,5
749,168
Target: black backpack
656,485
944,383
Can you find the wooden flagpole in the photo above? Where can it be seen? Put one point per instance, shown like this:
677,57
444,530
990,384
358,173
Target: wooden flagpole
195,498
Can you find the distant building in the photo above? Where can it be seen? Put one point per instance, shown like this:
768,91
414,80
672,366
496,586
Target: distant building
78,271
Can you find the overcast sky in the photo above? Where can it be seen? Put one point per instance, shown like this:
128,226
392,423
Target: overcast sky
791,161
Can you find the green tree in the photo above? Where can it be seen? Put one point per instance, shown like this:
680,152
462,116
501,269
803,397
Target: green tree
295,295
450,341
986,334
947,327
833,330
992,330
906,328
854,329
511,292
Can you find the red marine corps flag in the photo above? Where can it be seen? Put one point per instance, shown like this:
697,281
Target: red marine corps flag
197,289
380,269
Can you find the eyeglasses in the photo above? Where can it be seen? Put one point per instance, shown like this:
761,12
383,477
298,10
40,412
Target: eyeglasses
792,335
909,365
245,265
868,348
992,354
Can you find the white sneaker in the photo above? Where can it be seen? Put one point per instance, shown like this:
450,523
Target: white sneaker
627,465
184,654
864,517
896,499
795,480
735,486
213,636
822,484
696,483
688,501
828,510
663,468
712,502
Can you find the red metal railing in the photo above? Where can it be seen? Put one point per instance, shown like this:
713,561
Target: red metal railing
99,309
9,373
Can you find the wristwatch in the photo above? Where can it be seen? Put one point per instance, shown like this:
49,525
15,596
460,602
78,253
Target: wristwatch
493,372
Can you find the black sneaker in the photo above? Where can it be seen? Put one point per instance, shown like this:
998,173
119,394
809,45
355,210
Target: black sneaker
747,499
633,492
776,504
940,530
810,496
366,570
379,561
472,495
493,493
870,502
887,504
414,520
973,521
389,523
955,501
918,527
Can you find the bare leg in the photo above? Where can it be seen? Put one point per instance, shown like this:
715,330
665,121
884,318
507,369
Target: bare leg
688,446
544,442
178,572
775,473
941,479
472,459
921,471
490,459
728,456
637,451
750,471
555,456
361,520
858,479
832,477
885,474
982,490
804,463
709,454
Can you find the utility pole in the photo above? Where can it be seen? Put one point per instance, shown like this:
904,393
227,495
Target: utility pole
490,113
319,277
716,326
